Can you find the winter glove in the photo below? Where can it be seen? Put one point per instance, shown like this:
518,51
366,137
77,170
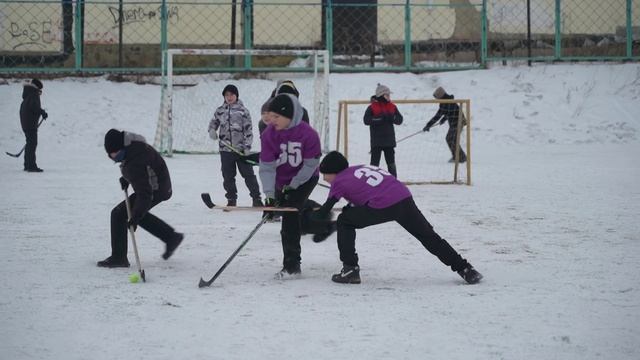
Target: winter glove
426,128
269,202
213,134
44,115
286,192
124,184
133,223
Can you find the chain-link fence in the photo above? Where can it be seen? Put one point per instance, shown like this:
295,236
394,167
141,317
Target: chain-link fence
361,35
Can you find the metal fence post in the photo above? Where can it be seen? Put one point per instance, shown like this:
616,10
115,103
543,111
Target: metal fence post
407,35
164,42
78,31
329,32
483,35
247,29
558,35
629,29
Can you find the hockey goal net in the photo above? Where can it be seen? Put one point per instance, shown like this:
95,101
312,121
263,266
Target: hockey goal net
191,91
421,157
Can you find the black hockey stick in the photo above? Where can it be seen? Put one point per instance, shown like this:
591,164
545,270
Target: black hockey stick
206,198
24,147
203,283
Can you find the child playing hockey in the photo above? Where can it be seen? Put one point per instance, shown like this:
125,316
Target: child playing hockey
381,116
231,124
377,197
289,172
143,168
449,113
30,112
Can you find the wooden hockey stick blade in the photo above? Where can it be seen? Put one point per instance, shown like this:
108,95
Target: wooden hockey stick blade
206,198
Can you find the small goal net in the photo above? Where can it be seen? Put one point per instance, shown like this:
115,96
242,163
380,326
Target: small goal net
420,157
191,91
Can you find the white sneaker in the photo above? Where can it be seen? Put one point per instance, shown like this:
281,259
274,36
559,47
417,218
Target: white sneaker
284,274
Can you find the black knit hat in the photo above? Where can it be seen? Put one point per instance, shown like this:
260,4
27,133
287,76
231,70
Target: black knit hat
113,141
287,87
283,105
232,89
333,163
37,83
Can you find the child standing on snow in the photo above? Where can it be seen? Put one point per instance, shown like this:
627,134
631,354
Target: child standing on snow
30,112
449,113
381,116
289,172
377,197
231,124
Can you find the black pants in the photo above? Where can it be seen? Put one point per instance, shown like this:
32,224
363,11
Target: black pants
230,161
290,231
451,142
405,213
389,157
31,137
149,222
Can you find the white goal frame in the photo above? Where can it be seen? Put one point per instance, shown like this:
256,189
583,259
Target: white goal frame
163,141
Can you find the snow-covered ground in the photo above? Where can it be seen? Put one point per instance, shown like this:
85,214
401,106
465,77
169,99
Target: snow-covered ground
551,220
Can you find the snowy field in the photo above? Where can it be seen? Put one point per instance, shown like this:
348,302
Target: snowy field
551,220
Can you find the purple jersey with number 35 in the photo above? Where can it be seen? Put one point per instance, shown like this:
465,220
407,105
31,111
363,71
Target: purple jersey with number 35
289,147
368,185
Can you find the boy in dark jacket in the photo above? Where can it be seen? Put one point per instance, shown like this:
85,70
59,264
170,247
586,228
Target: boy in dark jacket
449,113
231,123
381,116
289,172
30,112
143,168
376,197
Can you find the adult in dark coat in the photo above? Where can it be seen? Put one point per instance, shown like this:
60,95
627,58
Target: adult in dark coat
143,168
381,116
450,113
30,112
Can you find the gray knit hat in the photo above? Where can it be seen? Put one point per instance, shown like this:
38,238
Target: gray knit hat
382,90
439,93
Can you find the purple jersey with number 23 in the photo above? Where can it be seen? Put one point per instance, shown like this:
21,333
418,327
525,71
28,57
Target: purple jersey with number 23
289,147
368,185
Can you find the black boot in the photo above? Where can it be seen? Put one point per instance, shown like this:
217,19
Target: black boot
173,245
111,262
348,275
470,275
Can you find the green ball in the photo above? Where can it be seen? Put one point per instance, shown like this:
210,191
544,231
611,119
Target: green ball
134,278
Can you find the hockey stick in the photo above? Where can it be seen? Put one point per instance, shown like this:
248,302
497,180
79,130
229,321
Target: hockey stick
133,236
232,148
406,137
24,147
206,198
203,283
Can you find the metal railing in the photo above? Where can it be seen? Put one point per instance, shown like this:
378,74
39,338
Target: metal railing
130,36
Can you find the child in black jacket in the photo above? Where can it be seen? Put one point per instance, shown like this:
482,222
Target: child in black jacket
449,113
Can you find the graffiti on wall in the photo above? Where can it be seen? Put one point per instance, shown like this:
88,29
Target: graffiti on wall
138,14
35,35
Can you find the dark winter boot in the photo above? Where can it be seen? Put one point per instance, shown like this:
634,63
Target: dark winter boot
257,202
110,262
322,237
34,169
173,245
289,272
470,275
348,275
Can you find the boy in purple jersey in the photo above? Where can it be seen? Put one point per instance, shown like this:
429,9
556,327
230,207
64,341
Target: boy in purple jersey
289,171
377,197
